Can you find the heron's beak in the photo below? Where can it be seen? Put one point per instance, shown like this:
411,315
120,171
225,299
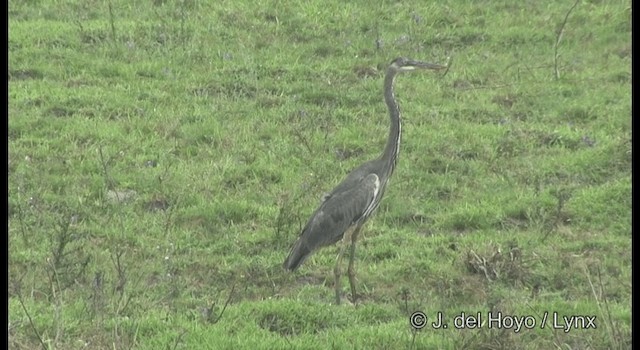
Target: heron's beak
427,65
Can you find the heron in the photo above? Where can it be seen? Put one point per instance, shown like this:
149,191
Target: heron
344,211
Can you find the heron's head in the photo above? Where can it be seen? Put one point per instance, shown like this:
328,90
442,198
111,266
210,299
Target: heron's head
403,64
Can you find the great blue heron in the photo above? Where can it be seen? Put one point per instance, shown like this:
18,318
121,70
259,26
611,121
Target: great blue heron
343,211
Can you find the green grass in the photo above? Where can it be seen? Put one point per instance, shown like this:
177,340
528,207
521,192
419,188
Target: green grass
163,157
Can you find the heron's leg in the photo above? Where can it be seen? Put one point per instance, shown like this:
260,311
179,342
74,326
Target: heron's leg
351,271
336,271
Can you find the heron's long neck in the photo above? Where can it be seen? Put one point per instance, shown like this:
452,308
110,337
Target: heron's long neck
392,148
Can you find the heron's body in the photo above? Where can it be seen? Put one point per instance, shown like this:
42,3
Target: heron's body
347,206
343,211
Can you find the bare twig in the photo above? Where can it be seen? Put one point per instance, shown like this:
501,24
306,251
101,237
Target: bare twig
21,222
226,303
414,332
55,286
168,223
178,339
558,38
103,162
112,21
303,139
611,327
182,22
135,337
33,326
119,288
121,270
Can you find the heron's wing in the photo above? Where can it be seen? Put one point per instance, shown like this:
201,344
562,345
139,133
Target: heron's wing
339,211
351,201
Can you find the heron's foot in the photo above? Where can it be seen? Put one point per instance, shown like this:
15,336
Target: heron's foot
350,303
345,300
354,295
353,300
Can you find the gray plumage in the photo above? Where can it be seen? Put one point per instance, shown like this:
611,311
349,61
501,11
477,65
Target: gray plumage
340,210
353,201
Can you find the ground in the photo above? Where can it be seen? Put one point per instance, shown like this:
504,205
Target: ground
163,157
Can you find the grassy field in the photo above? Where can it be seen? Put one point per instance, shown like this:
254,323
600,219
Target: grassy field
164,155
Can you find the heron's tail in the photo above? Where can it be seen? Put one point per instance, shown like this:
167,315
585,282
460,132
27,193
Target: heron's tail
298,254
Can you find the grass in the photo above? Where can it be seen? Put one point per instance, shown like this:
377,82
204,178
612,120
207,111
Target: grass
163,157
